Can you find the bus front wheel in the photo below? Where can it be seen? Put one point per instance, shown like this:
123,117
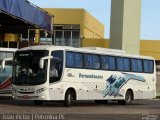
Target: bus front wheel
128,98
69,97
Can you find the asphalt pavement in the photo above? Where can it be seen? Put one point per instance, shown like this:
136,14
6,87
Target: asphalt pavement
80,110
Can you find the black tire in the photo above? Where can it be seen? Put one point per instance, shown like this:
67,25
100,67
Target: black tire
101,101
128,99
69,97
38,102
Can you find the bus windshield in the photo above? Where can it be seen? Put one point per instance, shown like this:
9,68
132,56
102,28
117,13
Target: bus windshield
26,69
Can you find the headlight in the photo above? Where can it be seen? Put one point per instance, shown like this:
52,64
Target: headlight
40,90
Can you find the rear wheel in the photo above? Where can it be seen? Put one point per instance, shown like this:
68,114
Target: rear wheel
38,102
69,97
128,98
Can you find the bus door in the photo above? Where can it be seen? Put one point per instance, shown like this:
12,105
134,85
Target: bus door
56,67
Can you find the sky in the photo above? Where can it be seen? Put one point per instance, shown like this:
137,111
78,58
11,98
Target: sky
100,9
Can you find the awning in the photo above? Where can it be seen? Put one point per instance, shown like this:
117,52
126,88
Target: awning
16,14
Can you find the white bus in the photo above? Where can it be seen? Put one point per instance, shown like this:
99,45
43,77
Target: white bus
6,74
82,74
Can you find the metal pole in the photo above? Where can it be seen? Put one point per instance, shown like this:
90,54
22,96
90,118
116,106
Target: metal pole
52,31
8,44
71,39
28,36
46,36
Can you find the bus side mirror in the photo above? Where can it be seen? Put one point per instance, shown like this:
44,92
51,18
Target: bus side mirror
41,62
4,62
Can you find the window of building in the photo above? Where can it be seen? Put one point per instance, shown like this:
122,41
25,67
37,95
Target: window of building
31,35
58,38
67,35
45,37
67,38
76,38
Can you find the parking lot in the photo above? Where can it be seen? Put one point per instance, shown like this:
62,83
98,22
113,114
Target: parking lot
82,109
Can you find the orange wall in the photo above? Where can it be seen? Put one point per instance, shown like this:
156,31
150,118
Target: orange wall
147,47
150,48
90,42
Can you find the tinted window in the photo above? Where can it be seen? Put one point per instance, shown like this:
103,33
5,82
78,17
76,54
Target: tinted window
134,65
137,65
148,66
123,64
96,62
70,59
79,60
27,69
58,55
104,62
56,66
126,64
120,64
88,61
140,68
112,61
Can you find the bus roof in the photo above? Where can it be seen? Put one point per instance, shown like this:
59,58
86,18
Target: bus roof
8,49
94,50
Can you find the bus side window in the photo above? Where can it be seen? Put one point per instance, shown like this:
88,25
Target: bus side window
53,70
134,65
140,68
70,60
96,62
79,60
127,64
120,63
88,61
148,66
57,65
112,63
104,62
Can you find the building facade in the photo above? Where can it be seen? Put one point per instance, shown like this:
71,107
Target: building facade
71,26
77,28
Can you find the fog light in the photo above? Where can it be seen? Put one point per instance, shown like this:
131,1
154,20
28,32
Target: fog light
13,96
43,96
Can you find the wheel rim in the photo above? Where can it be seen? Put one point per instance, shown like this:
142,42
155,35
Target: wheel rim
69,98
128,97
